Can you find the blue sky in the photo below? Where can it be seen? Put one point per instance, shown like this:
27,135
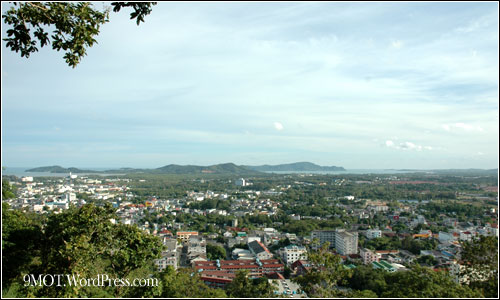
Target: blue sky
358,85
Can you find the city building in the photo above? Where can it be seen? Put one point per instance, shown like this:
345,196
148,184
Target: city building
184,235
259,250
324,236
169,257
369,256
292,253
373,233
240,182
346,242
221,272
196,248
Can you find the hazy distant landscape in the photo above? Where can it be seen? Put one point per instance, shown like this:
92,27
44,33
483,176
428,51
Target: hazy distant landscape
260,149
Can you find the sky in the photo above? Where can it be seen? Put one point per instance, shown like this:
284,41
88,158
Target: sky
363,85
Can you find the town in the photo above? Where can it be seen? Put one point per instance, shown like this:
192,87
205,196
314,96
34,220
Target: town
267,225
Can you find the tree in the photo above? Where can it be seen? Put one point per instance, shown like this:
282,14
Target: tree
326,275
215,252
21,235
243,287
367,278
76,25
81,242
185,283
362,294
8,192
480,260
428,260
422,282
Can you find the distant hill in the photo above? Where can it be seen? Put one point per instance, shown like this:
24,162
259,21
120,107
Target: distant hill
298,166
59,169
227,168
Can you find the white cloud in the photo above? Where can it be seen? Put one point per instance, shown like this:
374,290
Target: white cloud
397,44
278,126
407,146
462,126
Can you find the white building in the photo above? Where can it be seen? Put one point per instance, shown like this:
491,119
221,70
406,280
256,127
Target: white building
240,182
369,256
292,253
444,237
168,257
373,233
346,242
466,236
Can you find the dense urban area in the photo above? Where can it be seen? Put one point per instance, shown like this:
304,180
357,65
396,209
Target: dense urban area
416,234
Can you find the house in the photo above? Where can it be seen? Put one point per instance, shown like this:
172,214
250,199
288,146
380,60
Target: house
196,248
368,256
169,257
184,235
242,254
301,267
373,233
384,266
259,250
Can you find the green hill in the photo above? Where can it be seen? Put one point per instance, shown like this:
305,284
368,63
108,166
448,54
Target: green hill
59,169
295,167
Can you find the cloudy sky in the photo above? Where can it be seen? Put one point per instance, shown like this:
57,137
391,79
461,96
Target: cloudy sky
358,85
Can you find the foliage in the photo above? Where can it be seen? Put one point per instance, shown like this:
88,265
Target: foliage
326,275
365,277
362,294
215,252
480,258
185,283
428,260
422,282
8,191
76,24
416,245
81,242
383,243
243,287
21,235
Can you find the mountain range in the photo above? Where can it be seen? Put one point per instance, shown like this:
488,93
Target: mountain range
226,168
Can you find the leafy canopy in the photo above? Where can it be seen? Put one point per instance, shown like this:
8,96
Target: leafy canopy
74,26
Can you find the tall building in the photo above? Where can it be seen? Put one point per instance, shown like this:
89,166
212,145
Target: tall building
240,182
346,242
324,236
